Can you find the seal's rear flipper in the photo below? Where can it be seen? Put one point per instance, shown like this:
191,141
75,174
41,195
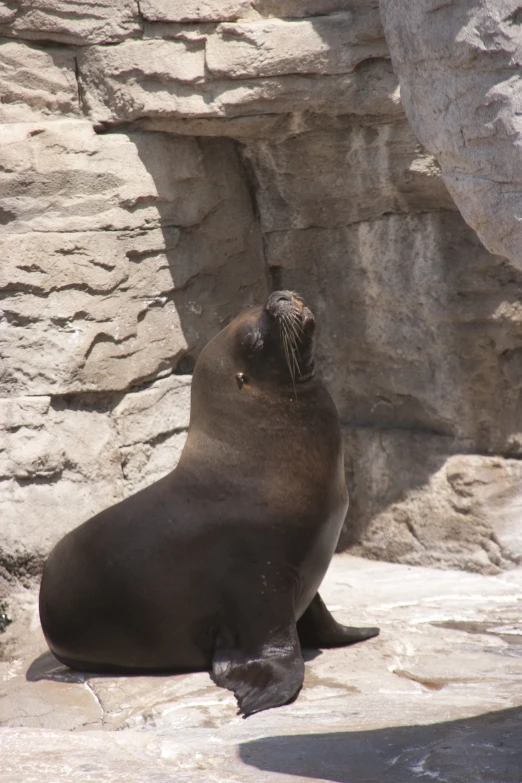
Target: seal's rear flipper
267,677
317,628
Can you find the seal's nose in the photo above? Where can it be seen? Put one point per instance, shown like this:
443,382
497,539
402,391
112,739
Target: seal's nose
278,299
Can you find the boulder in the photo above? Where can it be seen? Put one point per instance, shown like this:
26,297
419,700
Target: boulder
458,66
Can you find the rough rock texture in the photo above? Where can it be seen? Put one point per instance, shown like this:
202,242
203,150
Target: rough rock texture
64,459
435,697
459,70
104,273
71,21
165,164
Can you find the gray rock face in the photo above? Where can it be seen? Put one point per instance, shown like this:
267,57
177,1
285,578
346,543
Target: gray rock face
166,164
458,65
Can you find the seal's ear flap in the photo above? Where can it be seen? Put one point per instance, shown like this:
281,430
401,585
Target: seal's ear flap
269,676
252,341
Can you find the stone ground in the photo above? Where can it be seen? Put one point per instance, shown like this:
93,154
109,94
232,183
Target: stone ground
437,696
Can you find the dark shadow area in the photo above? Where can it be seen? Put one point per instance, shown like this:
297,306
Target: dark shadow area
48,667
212,236
484,749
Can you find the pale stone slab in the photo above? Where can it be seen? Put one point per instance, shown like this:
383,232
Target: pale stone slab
62,176
59,466
260,107
297,9
144,80
138,76
107,318
36,83
194,10
151,428
326,45
104,239
161,409
58,469
436,695
71,21
144,463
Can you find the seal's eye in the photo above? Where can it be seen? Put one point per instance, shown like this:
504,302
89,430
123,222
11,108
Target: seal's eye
241,379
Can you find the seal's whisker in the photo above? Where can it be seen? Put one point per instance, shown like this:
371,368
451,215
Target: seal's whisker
293,331
296,320
294,338
290,346
289,350
287,357
293,320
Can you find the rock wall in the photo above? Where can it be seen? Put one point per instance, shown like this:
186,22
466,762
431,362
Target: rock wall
459,69
164,164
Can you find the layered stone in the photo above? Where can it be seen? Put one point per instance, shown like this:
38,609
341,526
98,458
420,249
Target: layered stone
67,22
110,248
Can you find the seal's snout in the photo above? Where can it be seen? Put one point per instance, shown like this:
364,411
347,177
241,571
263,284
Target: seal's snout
295,327
284,305
281,302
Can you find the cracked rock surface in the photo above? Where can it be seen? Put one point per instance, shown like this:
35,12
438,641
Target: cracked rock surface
163,165
437,695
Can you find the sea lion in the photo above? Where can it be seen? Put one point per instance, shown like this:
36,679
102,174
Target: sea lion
217,565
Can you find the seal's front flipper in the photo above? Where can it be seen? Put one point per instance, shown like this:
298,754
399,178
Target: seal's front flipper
317,628
269,676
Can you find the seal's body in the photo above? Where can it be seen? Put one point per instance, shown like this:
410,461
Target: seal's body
217,565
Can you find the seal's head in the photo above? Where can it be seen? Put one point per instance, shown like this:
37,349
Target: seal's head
275,343
264,356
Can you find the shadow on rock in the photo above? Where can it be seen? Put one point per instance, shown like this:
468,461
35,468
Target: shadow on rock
47,667
485,749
